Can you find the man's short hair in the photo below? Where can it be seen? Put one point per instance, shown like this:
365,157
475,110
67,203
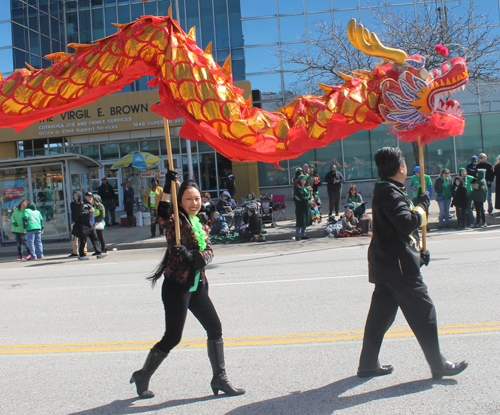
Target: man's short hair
388,160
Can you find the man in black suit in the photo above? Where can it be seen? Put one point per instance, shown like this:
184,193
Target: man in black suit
394,261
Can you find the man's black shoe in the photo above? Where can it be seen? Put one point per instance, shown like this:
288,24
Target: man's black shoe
305,237
381,371
450,369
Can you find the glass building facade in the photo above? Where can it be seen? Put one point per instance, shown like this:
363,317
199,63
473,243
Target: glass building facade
254,32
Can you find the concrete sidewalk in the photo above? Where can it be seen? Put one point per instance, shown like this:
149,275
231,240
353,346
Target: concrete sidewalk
122,238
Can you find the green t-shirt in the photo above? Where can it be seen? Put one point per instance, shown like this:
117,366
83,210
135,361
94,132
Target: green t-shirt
415,184
152,199
446,190
468,183
17,221
34,219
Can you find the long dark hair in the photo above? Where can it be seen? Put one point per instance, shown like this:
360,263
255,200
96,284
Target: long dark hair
160,269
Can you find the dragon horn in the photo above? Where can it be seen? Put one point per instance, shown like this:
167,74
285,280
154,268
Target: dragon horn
227,64
370,44
192,33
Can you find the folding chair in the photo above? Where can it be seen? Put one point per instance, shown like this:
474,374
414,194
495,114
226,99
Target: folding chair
279,207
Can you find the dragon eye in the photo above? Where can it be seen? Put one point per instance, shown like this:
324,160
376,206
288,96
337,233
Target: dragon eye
424,73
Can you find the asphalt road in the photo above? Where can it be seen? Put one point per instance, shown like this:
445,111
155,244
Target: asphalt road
72,333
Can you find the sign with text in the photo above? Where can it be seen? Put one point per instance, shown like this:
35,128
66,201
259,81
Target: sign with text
111,113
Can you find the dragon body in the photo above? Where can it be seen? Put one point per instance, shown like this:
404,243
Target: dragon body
193,86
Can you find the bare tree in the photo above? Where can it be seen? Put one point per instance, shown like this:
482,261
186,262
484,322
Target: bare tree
417,31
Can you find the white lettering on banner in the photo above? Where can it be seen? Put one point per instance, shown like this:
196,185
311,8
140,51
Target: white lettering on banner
108,127
114,120
159,122
97,122
46,133
85,130
46,127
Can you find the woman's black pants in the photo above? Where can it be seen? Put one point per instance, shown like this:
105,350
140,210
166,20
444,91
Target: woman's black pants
480,214
177,300
100,236
21,241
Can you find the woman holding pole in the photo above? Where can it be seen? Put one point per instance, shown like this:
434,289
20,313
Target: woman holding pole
185,286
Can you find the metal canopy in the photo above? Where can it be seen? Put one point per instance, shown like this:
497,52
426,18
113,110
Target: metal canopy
33,161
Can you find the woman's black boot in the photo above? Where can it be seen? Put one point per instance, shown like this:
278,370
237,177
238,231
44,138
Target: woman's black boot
141,377
219,381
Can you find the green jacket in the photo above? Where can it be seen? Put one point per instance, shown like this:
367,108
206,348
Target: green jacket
302,207
415,184
32,219
17,221
467,180
99,209
479,189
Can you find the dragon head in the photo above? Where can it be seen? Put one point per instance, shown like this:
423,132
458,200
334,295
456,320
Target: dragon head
413,99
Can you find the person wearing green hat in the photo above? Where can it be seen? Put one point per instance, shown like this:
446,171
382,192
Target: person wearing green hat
302,200
298,172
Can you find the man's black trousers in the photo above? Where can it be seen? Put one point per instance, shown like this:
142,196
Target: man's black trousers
412,297
333,200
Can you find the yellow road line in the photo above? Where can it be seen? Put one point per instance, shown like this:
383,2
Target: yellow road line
282,339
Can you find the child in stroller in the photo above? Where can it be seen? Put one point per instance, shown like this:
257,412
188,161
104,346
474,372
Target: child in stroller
315,207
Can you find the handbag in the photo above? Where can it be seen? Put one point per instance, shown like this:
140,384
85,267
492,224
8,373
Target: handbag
99,226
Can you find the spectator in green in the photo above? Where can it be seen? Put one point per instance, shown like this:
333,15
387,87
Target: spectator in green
303,218
18,229
415,184
479,195
467,179
442,187
33,224
151,200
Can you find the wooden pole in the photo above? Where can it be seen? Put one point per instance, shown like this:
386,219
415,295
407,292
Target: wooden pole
173,187
422,184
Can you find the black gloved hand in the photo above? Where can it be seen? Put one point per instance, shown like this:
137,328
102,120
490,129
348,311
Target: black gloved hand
171,175
183,252
425,258
423,201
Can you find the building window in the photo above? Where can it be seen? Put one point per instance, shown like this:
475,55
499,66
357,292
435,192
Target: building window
269,175
91,150
470,141
109,151
174,142
357,156
126,148
150,146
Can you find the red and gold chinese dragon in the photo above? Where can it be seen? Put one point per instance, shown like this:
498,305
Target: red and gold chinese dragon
400,91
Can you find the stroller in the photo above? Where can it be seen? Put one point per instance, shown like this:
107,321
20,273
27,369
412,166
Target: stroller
267,209
316,209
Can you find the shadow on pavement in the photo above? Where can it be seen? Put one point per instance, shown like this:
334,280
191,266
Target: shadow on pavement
125,406
327,399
